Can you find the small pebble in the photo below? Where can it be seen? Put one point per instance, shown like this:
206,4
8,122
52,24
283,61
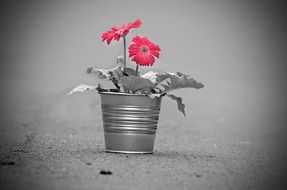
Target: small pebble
7,163
211,156
89,163
105,172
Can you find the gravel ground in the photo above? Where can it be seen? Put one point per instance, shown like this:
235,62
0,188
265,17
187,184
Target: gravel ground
46,151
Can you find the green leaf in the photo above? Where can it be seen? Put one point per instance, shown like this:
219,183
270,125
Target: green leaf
171,81
136,83
178,100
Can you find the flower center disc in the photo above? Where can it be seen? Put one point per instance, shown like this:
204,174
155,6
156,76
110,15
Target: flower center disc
144,50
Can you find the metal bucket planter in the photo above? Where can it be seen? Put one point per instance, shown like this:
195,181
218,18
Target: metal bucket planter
129,121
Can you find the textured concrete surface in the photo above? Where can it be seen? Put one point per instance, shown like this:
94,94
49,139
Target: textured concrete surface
45,150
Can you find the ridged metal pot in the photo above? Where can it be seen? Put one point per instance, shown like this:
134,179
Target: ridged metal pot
129,121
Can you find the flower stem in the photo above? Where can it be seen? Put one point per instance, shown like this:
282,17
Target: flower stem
137,69
125,58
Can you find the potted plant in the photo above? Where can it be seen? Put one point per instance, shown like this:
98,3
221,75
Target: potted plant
130,110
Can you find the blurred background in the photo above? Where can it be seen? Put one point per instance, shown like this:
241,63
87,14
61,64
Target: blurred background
236,48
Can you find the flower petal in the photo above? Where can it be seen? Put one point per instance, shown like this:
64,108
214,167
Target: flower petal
146,58
108,36
135,24
117,32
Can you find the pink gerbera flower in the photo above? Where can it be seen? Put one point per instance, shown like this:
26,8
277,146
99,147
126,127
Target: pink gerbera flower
117,32
143,51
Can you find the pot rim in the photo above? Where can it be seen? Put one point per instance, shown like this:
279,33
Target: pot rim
121,93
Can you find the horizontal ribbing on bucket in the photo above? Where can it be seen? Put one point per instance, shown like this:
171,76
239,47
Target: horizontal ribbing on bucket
130,119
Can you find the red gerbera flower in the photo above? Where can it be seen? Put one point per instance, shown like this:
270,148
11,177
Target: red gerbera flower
143,51
117,32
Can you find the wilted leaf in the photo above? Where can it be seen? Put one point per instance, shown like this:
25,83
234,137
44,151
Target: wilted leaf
153,95
120,60
171,81
116,72
152,76
130,72
178,100
82,88
100,73
136,83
